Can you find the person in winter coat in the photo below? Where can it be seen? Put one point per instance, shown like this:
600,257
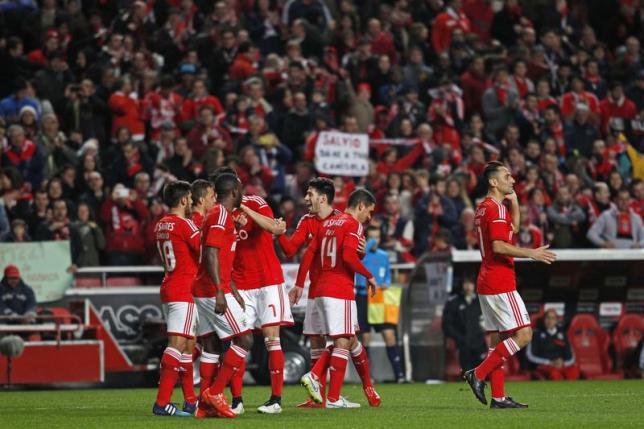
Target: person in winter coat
17,299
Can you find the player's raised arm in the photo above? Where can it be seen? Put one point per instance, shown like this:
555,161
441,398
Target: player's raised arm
274,226
515,213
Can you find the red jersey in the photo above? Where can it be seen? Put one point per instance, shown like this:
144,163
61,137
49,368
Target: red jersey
177,240
256,263
218,231
307,228
198,219
493,222
336,247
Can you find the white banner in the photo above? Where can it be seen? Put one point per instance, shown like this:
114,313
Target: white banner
341,154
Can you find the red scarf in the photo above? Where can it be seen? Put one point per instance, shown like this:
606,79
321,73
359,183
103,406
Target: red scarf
522,86
624,225
502,93
28,150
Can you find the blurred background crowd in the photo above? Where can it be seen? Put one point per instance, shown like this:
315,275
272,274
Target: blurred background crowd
103,102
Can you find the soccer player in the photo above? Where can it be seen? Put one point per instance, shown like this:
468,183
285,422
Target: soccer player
177,239
319,199
504,313
336,246
221,305
257,273
203,200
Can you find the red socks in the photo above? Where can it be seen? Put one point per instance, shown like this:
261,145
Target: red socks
503,351
237,381
361,362
337,368
187,380
322,364
208,369
169,372
234,360
497,381
275,364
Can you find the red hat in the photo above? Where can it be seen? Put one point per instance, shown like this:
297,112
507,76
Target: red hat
364,87
11,271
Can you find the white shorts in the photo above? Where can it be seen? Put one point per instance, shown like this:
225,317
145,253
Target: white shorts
504,312
267,306
232,323
180,318
331,316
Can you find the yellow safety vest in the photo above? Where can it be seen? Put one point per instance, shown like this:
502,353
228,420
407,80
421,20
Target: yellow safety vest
384,306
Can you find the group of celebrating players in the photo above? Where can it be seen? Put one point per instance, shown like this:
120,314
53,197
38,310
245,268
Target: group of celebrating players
223,280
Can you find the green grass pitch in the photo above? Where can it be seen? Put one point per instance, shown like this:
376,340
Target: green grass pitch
579,404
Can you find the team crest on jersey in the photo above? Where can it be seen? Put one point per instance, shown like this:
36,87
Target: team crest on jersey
480,212
233,246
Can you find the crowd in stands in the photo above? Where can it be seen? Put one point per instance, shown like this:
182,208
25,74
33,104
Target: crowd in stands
103,102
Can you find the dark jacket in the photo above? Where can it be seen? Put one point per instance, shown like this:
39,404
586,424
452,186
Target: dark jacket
546,347
16,302
424,223
462,322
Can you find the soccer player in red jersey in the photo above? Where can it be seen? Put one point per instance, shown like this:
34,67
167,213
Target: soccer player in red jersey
203,200
221,306
504,313
177,239
336,247
257,273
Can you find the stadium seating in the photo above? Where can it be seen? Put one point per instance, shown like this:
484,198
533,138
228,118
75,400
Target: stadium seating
590,344
123,281
626,338
87,282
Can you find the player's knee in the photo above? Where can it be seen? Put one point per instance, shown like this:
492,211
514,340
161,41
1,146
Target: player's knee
342,343
390,337
244,341
523,337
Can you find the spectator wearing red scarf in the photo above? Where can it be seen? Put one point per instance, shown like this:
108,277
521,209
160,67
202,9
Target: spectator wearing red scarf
56,228
162,106
198,98
474,82
519,81
244,65
207,134
500,102
23,155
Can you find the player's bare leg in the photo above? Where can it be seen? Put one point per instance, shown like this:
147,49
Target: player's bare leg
232,363
318,351
276,368
503,351
361,362
170,368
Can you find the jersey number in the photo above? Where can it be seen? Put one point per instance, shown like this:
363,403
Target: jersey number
167,254
481,248
330,250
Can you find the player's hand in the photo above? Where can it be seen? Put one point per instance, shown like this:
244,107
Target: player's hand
240,220
513,198
280,227
542,254
295,294
372,285
239,299
220,302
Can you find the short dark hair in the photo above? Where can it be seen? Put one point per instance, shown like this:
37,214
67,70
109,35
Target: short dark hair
373,228
225,184
361,195
199,189
323,186
219,171
491,168
174,191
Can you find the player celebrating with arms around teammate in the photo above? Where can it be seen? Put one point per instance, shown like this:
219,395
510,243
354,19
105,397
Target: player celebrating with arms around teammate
177,239
504,312
334,306
217,298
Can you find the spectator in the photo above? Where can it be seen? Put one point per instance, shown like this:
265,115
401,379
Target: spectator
54,146
207,134
578,97
377,262
58,227
580,134
432,212
550,350
89,240
529,234
447,23
618,227
17,299
565,217
123,216
616,106
462,323
24,155
397,231
500,102
18,232
126,110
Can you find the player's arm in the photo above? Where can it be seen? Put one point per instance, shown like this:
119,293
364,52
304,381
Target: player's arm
213,268
541,254
291,245
274,226
295,294
352,260
236,295
515,213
